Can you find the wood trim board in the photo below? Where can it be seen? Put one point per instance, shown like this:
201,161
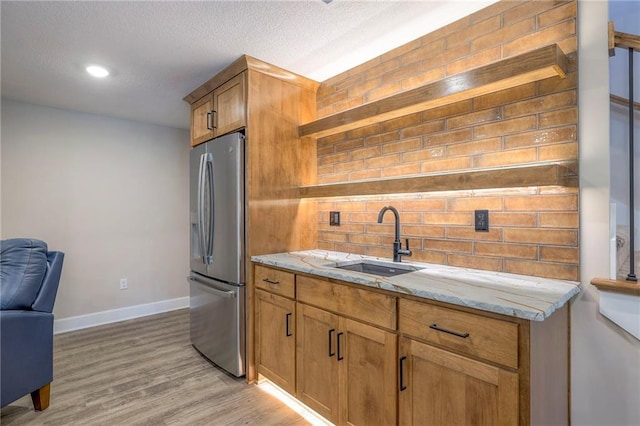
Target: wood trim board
617,286
506,177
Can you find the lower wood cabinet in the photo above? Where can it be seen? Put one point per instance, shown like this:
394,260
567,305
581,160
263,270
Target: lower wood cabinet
368,375
438,387
362,357
346,369
317,363
275,323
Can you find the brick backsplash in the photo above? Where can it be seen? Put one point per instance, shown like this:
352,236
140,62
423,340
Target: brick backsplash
533,231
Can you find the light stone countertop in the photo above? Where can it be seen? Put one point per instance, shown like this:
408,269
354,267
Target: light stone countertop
520,296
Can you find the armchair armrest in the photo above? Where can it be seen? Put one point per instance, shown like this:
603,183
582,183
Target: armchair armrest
47,295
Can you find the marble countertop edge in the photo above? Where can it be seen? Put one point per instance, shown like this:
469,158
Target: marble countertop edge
520,296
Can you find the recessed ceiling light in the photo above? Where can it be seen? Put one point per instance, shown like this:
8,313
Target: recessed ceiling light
97,71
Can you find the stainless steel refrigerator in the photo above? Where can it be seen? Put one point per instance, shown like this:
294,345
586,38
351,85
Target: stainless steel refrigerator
217,278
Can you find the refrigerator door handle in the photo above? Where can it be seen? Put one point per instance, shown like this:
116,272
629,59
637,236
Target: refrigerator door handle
201,206
215,291
205,177
212,223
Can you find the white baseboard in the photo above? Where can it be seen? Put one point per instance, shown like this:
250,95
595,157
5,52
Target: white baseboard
106,317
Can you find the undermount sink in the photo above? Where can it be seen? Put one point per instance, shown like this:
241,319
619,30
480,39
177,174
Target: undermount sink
373,267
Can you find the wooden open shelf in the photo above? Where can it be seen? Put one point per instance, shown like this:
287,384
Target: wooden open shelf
617,286
545,62
505,177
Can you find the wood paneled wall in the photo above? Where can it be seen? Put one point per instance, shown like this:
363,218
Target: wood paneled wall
533,231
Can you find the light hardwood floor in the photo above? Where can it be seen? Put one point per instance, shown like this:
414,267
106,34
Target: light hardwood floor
144,372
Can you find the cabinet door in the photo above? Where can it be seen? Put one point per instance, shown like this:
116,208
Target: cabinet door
275,339
442,388
317,378
368,378
229,106
202,120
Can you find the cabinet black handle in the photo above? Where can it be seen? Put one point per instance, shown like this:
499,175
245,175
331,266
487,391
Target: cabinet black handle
331,353
209,126
402,385
268,281
444,330
340,357
213,122
287,318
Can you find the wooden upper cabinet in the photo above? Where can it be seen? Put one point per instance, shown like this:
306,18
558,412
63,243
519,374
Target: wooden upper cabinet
219,112
438,387
229,105
202,120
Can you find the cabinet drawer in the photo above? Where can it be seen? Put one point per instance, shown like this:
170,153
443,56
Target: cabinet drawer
275,281
476,335
363,305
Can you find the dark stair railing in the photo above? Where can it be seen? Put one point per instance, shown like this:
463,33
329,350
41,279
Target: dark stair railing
630,41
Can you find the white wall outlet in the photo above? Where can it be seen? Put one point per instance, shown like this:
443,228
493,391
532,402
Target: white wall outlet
124,284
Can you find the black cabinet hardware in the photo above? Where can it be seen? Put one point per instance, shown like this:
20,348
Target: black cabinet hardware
340,357
209,125
331,353
444,330
401,373
268,281
287,318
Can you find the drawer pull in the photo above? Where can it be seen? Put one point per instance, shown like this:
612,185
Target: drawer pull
268,281
340,357
287,319
444,330
402,385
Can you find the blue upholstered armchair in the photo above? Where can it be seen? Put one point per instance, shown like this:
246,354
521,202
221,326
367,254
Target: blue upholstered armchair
29,277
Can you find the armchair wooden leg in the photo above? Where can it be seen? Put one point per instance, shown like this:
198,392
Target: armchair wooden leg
40,397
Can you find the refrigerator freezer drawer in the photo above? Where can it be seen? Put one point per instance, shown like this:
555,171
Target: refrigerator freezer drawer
217,322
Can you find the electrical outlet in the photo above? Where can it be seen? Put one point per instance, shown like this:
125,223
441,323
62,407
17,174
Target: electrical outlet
334,218
124,284
482,220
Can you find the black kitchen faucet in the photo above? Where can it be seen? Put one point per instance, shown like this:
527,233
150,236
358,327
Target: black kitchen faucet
398,251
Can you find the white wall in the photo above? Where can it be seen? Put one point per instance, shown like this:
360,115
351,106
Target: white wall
112,194
605,360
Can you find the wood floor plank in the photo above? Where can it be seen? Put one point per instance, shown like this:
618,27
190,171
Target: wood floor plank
144,372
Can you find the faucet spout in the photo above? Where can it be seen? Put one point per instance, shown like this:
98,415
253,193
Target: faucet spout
395,214
398,252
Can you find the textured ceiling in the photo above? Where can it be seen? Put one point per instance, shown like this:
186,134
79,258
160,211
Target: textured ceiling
160,51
